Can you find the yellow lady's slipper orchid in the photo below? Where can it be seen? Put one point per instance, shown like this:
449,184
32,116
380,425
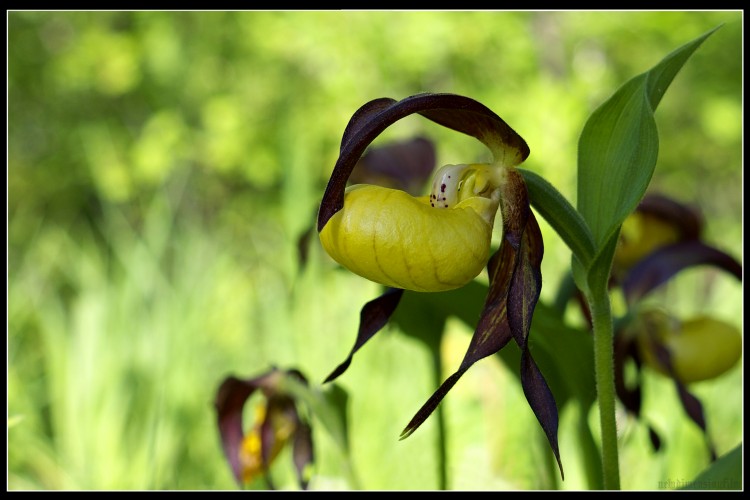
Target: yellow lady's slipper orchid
429,243
657,242
442,241
699,349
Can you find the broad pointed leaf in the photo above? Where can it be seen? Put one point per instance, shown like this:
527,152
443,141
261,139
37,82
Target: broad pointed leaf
619,144
723,474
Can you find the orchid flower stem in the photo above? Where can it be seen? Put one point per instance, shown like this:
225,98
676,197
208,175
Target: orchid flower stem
601,316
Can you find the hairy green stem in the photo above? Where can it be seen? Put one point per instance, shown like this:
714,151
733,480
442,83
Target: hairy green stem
601,316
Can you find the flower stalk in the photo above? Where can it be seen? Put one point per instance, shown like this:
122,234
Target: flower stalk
601,316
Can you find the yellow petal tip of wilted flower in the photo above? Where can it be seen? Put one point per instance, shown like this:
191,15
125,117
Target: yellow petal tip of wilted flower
428,244
250,457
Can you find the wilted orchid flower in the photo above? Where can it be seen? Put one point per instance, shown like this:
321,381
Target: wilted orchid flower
660,239
277,423
441,241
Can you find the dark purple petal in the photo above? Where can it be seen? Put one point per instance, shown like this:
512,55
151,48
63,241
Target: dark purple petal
686,219
302,452
362,118
432,403
625,349
541,401
664,263
526,284
278,408
521,232
515,208
690,403
405,165
491,334
373,317
453,111
694,410
303,246
655,439
473,118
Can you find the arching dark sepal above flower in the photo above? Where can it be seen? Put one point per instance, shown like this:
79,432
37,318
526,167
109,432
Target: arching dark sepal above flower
457,112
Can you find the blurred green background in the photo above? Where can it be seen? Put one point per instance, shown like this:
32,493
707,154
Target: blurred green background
162,167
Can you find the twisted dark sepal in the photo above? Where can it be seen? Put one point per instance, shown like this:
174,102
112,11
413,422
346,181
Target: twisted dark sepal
631,397
453,111
691,404
373,317
302,453
491,334
515,285
663,264
523,233
524,294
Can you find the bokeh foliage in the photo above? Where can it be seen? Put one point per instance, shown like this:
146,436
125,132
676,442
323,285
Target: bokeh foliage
162,167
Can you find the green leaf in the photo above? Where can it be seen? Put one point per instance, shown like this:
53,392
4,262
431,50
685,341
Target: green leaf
619,145
724,474
561,215
616,157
